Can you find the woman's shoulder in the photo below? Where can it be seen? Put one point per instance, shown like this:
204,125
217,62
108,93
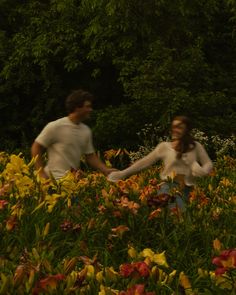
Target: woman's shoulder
163,146
197,144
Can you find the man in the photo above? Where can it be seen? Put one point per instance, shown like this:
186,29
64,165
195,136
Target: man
67,139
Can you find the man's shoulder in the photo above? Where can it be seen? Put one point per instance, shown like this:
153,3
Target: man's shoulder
59,121
85,127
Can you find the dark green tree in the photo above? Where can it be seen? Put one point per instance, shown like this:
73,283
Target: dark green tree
144,60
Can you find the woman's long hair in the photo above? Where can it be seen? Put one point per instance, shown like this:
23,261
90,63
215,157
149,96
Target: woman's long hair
187,142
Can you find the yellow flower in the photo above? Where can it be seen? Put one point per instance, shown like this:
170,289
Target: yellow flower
171,276
99,276
89,271
225,182
111,274
16,210
223,282
107,291
132,252
160,259
210,188
147,253
202,273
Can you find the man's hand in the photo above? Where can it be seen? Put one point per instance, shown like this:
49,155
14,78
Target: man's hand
42,174
95,162
108,171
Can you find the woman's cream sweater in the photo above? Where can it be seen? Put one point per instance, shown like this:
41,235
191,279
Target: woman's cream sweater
194,163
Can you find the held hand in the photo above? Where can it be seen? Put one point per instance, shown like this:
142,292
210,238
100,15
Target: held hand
42,174
109,171
115,176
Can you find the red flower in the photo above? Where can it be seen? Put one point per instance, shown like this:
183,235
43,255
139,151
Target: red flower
225,262
136,290
3,203
142,269
126,270
50,281
135,269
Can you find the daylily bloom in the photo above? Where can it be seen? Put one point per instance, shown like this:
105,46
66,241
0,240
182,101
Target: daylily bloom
50,281
3,203
135,269
132,252
138,289
185,283
225,262
4,189
11,223
217,245
119,230
154,213
224,282
107,291
124,202
159,259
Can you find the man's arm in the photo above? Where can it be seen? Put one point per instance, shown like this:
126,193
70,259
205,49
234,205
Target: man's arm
37,151
96,163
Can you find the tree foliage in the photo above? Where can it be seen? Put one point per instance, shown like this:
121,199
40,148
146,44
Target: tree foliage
157,58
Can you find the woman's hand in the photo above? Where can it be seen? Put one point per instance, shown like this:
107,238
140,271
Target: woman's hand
115,176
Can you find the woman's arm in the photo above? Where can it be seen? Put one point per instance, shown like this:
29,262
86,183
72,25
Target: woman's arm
205,165
137,166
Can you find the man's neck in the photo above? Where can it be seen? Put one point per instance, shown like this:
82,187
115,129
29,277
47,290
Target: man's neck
74,118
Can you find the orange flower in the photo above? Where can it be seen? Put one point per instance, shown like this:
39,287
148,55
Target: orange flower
217,245
119,230
11,223
185,283
154,214
124,202
48,282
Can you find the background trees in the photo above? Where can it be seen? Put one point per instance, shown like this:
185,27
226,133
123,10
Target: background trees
144,60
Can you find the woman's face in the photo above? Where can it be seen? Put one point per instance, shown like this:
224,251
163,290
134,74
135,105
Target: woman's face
178,129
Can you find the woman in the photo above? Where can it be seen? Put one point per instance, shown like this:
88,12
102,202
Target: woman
184,159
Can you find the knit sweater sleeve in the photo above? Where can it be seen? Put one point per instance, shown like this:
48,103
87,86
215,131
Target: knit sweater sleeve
203,165
139,165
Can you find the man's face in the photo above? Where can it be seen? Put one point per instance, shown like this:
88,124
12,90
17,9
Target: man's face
84,111
178,129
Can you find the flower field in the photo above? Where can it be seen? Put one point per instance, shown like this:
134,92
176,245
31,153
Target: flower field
85,235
